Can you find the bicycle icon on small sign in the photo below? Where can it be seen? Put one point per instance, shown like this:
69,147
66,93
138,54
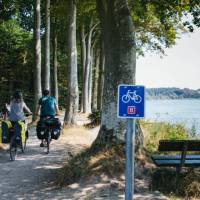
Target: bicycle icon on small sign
131,96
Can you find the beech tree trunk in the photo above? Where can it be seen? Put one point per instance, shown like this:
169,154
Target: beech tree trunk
101,76
83,60
95,80
47,46
90,81
72,97
55,66
37,72
86,106
120,62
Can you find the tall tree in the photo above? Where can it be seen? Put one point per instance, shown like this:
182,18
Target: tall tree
83,59
120,61
47,46
72,96
37,83
88,70
101,75
55,63
95,79
86,83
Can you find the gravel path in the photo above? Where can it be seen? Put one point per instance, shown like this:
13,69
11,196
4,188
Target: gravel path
33,174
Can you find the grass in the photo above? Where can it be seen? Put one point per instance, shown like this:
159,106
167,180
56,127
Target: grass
156,131
185,185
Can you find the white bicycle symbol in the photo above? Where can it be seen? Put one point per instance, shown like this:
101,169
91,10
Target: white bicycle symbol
131,96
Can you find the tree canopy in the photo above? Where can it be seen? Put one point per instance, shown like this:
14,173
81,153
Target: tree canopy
156,24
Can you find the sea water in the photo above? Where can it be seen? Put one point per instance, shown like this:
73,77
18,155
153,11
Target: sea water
186,112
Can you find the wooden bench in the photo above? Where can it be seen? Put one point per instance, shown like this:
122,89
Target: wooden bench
181,160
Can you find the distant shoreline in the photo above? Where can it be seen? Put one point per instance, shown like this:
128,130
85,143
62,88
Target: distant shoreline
171,93
173,99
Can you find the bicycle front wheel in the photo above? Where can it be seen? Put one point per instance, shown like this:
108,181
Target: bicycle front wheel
13,149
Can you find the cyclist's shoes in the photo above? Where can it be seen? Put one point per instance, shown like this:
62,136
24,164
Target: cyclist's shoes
42,144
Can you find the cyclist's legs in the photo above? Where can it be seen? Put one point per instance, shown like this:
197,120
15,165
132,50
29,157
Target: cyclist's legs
19,128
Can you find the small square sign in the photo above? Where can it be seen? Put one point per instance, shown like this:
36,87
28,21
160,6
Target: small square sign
131,109
131,101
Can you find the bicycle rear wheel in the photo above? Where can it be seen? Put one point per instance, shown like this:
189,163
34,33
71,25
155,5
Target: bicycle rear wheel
13,149
48,140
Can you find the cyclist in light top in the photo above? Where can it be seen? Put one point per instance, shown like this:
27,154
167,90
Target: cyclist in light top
47,106
15,114
17,107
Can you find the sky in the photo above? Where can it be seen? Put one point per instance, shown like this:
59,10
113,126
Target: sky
180,68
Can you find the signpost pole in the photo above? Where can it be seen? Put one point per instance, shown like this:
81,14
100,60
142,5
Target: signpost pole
129,173
131,105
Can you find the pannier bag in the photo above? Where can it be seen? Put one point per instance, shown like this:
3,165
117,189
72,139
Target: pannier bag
5,136
19,129
40,128
55,133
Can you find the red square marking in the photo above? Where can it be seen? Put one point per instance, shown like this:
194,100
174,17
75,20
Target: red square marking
131,109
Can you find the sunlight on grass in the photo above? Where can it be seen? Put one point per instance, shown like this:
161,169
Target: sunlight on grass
156,131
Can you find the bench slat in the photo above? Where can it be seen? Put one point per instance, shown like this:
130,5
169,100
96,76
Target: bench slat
175,157
176,163
178,145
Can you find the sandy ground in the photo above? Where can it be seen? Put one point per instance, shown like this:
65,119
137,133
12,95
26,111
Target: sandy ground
33,174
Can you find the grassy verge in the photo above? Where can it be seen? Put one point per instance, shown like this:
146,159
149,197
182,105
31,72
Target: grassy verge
184,186
155,131
107,160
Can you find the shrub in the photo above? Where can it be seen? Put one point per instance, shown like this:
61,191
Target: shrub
155,131
95,117
185,185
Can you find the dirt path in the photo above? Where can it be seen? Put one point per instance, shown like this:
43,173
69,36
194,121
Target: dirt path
33,174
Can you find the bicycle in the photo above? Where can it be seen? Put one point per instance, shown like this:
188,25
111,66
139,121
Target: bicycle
48,128
131,96
16,143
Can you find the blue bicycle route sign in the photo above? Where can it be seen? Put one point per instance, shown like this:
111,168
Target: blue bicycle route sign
131,101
